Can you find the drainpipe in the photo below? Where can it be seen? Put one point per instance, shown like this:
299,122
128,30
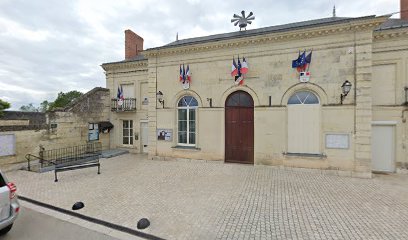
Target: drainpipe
404,122
355,83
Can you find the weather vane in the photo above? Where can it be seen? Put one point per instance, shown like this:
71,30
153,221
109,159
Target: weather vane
242,21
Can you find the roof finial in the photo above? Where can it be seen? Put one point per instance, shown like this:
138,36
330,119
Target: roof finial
334,10
177,36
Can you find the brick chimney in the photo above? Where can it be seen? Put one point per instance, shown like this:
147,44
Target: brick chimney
404,9
133,44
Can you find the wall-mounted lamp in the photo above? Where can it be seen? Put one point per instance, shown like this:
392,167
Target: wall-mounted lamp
345,88
210,101
406,95
159,96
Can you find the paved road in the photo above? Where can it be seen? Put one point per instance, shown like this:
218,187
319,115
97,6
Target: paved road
199,200
32,225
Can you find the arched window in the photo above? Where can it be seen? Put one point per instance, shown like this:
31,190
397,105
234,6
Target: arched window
303,97
186,134
304,123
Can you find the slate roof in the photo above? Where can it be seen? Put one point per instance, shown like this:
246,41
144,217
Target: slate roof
392,24
389,24
139,57
265,30
36,118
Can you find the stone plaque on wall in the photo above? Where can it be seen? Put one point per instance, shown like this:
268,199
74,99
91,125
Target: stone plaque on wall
337,140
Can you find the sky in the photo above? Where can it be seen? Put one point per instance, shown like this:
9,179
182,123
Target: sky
49,46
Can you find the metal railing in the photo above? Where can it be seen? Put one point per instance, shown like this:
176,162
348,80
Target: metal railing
30,157
127,104
65,155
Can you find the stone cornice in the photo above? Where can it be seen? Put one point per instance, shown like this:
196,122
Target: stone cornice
297,34
390,33
122,65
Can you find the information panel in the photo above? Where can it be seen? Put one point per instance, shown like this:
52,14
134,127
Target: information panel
165,134
339,141
7,145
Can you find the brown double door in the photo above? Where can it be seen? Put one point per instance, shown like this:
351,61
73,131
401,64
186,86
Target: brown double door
239,128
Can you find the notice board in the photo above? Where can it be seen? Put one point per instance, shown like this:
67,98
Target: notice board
7,144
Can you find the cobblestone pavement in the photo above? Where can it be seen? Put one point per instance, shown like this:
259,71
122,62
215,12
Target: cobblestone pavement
201,200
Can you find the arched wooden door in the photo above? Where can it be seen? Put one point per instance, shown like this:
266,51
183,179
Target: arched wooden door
239,128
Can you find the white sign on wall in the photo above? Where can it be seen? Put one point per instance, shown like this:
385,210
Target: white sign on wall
7,145
339,141
304,76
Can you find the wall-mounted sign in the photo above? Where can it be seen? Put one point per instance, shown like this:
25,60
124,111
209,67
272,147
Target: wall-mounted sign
338,141
7,144
165,134
304,76
93,131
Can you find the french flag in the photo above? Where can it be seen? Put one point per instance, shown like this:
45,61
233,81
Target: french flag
244,66
239,78
181,74
188,75
120,93
234,69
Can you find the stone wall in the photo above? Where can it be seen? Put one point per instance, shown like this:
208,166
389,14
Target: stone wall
72,123
66,127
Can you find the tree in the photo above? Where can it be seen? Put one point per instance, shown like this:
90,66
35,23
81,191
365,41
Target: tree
44,106
64,99
3,106
28,108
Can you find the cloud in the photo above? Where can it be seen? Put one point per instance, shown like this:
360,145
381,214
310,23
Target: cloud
53,46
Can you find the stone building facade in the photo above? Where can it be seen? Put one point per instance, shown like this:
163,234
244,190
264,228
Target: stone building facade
273,118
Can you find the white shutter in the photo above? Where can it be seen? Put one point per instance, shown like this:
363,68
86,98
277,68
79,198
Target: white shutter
304,128
128,90
383,84
383,148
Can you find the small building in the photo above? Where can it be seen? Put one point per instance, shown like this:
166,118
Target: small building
278,114
20,133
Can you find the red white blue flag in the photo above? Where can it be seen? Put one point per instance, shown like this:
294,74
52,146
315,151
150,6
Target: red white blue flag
185,76
120,93
244,66
234,69
239,77
188,74
181,74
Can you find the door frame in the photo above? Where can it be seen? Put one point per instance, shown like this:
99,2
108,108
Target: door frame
225,126
141,135
392,124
